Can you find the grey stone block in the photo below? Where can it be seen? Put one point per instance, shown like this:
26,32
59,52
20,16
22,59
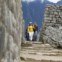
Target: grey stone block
52,34
10,30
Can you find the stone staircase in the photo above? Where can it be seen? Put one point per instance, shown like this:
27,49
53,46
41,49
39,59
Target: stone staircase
39,52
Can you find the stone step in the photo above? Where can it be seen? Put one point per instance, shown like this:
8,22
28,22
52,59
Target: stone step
43,58
36,42
41,53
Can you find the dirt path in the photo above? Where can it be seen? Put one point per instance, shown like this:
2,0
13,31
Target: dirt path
39,52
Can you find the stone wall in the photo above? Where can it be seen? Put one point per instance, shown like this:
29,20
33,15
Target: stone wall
53,15
51,31
10,30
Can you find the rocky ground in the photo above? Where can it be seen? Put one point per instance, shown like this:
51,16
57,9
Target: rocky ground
39,52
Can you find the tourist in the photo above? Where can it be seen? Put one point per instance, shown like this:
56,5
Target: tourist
30,31
35,31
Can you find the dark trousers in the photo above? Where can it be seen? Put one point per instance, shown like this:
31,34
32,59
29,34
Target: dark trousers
35,36
27,36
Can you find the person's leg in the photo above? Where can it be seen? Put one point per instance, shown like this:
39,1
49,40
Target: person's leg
28,36
31,35
35,35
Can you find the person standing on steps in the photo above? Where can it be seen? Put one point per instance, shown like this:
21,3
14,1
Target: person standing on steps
35,31
30,30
